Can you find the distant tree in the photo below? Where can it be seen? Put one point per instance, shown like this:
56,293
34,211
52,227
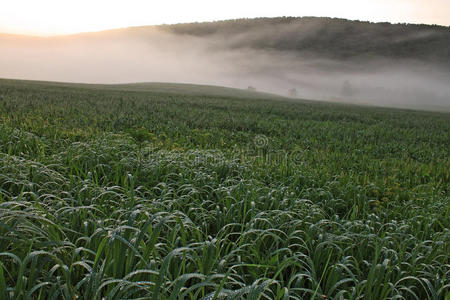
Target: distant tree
251,88
293,93
347,90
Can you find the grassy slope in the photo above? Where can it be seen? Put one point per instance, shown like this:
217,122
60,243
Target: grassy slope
126,194
153,87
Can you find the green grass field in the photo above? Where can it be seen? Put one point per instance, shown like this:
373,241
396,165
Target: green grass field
184,192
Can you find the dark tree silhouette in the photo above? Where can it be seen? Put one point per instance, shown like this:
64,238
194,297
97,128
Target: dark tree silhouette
347,90
293,93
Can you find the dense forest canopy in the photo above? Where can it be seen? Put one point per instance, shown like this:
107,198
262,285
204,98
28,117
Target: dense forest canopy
337,38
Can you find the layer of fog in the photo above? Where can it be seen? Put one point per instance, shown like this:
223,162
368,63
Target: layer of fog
159,56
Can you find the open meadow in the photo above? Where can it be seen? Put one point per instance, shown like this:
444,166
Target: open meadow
190,192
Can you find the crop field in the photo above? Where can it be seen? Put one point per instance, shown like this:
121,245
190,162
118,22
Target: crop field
181,192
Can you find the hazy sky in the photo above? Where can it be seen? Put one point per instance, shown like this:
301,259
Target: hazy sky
52,17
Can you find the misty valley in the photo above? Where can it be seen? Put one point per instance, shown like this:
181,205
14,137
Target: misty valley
399,65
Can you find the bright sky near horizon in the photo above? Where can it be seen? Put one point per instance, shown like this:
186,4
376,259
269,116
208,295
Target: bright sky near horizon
54,17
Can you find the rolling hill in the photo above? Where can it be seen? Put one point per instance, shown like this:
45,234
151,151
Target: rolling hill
400,65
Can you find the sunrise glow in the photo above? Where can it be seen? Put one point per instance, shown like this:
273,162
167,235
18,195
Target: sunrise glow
54,17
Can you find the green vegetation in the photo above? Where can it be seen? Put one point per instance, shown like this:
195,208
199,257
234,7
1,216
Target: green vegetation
121,193
329,37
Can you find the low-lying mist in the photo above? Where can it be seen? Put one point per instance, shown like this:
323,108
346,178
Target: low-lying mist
155,55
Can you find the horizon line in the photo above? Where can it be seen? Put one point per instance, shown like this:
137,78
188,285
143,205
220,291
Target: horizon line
35,35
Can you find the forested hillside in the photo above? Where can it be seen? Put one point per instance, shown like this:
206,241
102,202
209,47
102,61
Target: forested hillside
334,37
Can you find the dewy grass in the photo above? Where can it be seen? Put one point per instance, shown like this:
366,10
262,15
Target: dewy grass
107,194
